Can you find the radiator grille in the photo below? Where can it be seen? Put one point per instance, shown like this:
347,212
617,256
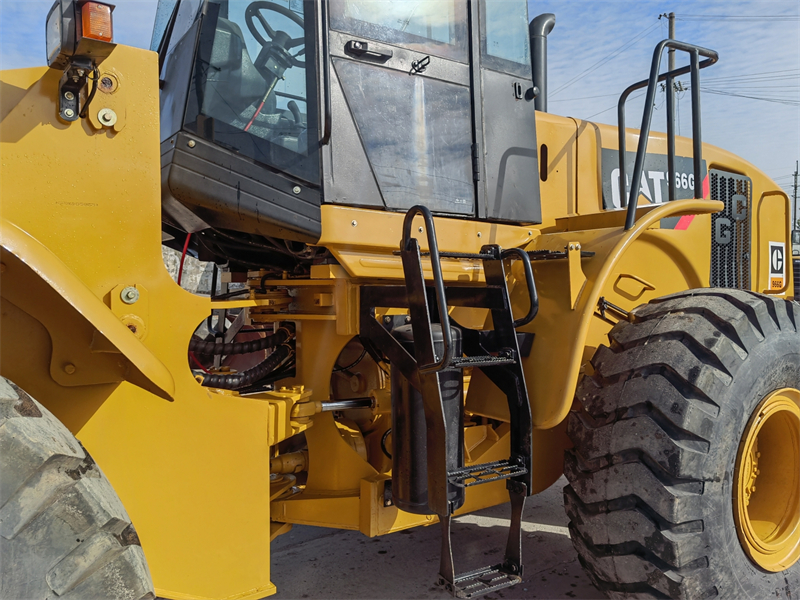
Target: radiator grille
796,275
730,231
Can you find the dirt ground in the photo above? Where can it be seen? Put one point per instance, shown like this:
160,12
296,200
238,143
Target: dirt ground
313,562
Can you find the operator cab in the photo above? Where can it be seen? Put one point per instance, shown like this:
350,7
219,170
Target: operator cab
270,109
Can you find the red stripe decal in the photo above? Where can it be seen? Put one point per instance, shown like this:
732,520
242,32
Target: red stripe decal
684,222
706,188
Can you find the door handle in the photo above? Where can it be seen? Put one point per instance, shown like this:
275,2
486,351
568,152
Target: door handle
362,49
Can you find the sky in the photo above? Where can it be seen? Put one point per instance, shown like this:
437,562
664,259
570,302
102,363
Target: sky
598,48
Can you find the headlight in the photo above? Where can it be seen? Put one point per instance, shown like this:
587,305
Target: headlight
53,32
78,29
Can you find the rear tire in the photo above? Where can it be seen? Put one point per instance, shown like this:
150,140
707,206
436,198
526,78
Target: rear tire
653,471
63,530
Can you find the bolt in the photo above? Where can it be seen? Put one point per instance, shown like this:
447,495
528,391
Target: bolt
387,319
357,45
530,233
107,83
69,95
577,246
408,318
479,234
191,143
132,327
69,113
420,230
354,223
296,189
81,72
129,295
106,117
69,368
572,246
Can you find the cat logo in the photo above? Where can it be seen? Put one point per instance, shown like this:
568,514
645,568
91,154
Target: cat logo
777,265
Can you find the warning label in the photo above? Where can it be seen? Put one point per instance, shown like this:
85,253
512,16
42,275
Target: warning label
777,265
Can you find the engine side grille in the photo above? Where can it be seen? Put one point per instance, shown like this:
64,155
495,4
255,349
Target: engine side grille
730,231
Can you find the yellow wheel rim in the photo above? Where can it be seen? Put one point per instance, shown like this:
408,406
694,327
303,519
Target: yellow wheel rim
767,482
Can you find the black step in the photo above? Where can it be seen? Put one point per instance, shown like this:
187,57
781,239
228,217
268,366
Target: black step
485,473
481,581
504,357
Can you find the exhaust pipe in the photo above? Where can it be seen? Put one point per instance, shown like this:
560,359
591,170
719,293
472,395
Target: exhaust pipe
538,31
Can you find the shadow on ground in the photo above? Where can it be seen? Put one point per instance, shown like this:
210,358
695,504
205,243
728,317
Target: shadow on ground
313,562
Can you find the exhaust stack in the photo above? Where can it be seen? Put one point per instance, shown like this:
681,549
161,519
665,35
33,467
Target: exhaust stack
538,31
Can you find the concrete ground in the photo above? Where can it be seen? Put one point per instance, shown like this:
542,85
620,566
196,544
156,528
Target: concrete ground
314,562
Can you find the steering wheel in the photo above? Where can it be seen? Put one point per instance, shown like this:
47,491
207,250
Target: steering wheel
277,38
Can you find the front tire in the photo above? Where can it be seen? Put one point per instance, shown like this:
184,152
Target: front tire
660,478
63,530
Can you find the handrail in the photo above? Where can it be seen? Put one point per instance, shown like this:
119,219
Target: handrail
438,282
326,78
526,265
694,67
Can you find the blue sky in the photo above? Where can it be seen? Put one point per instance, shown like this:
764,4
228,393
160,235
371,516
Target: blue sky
759,51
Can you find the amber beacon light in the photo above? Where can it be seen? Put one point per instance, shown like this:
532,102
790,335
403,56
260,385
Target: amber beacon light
79,37
96,22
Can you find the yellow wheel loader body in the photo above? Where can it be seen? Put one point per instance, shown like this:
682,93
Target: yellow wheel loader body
81,224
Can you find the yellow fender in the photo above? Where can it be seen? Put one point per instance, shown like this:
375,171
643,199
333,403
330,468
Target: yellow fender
145,370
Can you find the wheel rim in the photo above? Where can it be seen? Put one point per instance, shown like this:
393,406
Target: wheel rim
767,482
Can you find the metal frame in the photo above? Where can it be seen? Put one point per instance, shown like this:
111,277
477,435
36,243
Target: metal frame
644,133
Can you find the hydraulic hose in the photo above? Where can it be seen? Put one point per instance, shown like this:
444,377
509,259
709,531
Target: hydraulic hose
235,381
210,348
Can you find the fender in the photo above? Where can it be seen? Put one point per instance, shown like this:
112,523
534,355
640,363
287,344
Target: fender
31,259
628,268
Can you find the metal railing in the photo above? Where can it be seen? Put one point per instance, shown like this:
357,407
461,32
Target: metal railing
631,199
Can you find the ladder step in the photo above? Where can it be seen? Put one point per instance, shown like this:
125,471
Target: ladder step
482,581
485,473
504,358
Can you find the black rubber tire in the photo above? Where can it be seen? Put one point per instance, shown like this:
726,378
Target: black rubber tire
650,494
63,530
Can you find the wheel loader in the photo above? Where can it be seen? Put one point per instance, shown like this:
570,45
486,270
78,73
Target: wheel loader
430,296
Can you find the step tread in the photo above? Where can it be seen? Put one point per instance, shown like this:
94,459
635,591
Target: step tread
480,361
483,581
485,473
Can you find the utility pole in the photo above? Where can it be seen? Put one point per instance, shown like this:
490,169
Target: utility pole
795,218
670,92
671,55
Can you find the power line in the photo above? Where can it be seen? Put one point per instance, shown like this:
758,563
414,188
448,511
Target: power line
584,98
639,95
607,58
775,100
737,17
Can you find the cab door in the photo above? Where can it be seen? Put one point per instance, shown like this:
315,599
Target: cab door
401,104
507,131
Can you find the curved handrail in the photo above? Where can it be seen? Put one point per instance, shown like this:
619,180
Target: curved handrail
644,132
438,281
534,296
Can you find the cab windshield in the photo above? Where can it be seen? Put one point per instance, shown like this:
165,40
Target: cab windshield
253,85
